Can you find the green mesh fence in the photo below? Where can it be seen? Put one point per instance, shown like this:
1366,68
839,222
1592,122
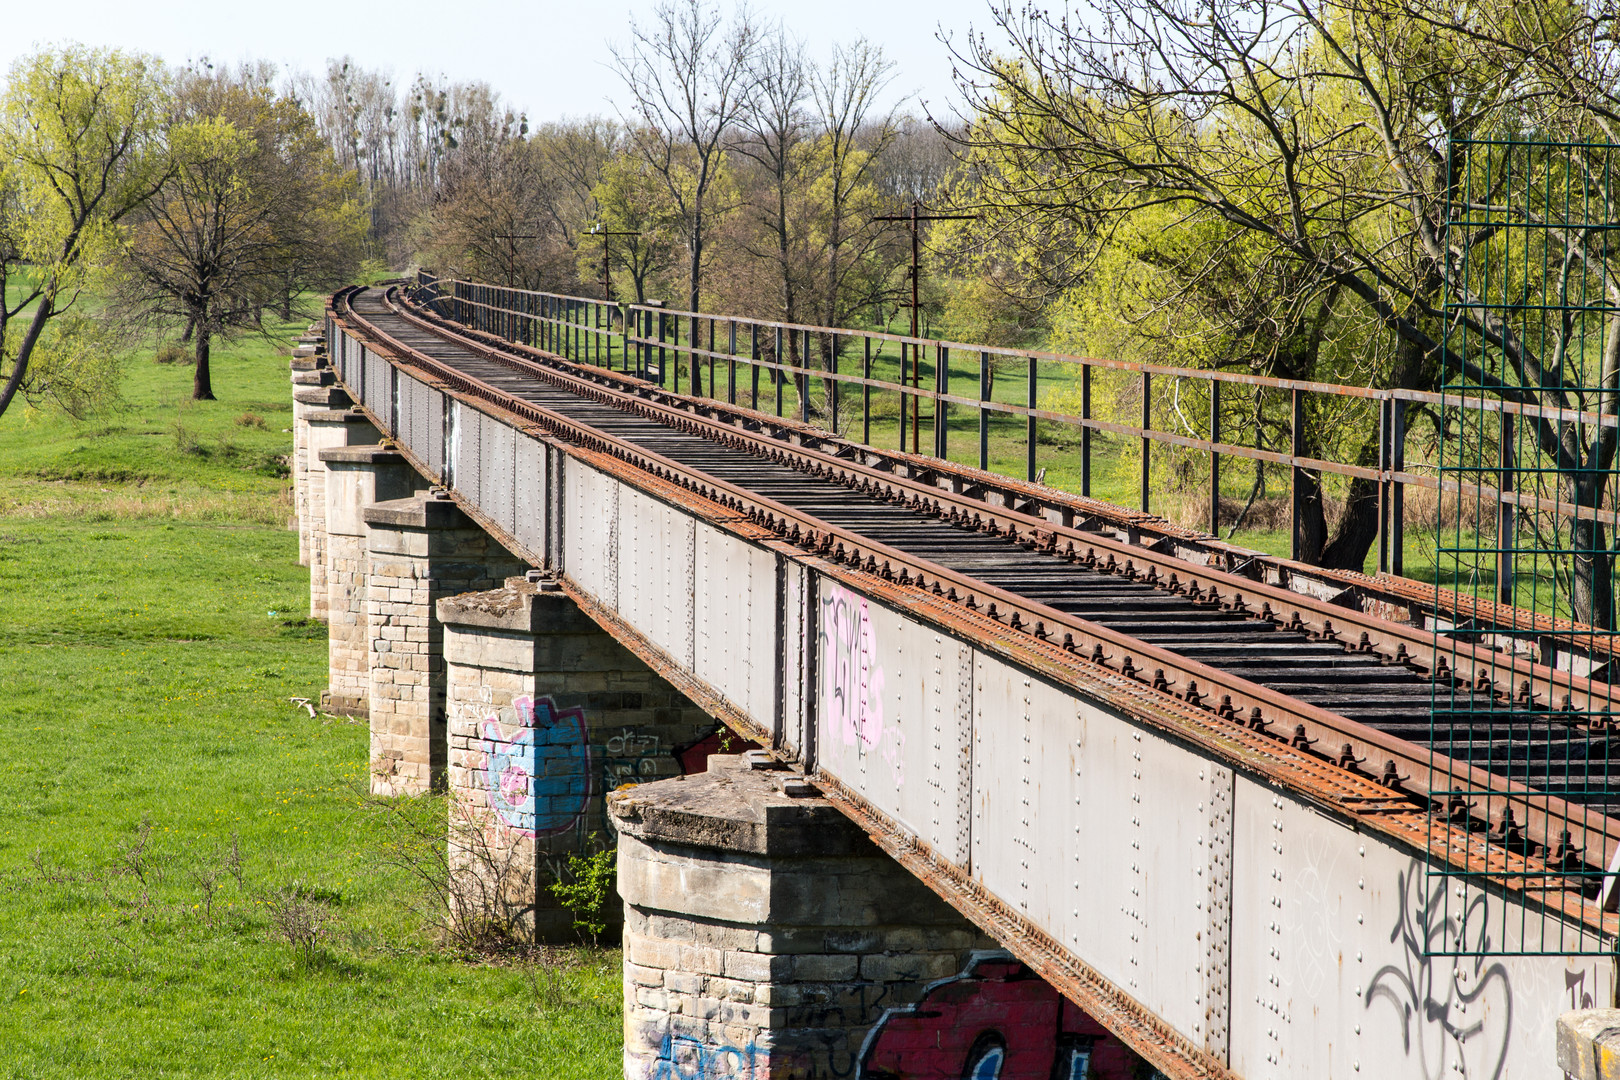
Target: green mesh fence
1525,536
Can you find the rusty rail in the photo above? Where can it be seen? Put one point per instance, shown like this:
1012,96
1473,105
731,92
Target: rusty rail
1224,697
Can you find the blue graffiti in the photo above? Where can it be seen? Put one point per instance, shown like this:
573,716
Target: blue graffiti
681,1057
539,777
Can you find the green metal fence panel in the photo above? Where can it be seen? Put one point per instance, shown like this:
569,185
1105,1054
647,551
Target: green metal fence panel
1524,527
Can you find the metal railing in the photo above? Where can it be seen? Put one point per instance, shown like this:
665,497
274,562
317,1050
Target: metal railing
851,381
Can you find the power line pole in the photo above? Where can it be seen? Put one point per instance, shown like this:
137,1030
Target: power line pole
915,218
607,277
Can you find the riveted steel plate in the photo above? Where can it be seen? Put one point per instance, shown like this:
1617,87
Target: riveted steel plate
529,494
1329,976
498,450
590,499
469,451
437,402
890,714
1094,828
736,636
655,570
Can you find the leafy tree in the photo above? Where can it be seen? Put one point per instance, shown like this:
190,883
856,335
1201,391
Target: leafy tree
252,206
1305,148
79,153
629,200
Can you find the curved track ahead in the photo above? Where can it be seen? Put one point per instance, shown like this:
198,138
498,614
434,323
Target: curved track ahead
1518,739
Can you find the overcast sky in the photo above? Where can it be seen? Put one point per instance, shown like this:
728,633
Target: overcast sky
550,58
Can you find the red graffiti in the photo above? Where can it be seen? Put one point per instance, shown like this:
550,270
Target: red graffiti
996,1020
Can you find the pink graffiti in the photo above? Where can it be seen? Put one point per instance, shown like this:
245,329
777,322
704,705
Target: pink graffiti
852,679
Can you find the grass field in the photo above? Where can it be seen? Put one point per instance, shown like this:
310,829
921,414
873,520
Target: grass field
172,828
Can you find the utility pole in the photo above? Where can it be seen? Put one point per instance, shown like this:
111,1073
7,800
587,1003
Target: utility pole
915,218
607,277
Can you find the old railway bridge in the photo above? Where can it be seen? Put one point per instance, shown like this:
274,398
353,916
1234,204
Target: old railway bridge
1043,788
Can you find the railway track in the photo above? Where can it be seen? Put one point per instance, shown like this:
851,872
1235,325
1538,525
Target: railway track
1343,686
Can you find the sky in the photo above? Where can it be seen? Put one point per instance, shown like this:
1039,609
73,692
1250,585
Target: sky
551,59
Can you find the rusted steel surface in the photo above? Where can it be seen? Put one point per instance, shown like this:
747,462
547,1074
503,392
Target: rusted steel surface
1545,816
732,508
1383,591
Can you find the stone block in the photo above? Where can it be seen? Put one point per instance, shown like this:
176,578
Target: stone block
1589,1044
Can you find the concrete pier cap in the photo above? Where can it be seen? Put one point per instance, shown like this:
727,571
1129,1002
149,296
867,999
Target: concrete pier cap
1589,1044
765,930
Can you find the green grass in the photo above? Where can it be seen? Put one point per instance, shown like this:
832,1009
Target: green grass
151,635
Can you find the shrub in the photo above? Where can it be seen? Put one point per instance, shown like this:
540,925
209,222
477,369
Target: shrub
252,420
172,353
587,894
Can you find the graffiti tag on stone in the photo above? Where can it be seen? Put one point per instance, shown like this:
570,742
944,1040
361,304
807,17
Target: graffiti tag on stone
539,776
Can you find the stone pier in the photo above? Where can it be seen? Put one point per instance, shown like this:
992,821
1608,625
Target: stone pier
356,477
546,713
766,936
419,550
305,402
763,928
328,430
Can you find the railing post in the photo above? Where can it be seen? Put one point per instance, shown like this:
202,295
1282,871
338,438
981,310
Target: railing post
711,358
942,386
1385,406
663,351
731,362
803,380
1397,490
1505,512
780,363
692,341
1214,457
1147,425
984,413
1029,424
1296,474
1085,432
866,391
905,399
753,366
832,384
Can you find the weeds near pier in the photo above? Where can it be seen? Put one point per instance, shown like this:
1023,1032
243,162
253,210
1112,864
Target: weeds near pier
475,894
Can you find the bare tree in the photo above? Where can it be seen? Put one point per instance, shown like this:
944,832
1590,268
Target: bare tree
775,126
688,77
854,136
249,187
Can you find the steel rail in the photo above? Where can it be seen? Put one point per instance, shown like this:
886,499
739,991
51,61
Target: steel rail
1241,702
1504,619
1387,639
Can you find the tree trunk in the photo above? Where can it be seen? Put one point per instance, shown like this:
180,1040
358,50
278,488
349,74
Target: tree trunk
286,306
191,328
19,370
1357,531
202,386
1310,526
1591,588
